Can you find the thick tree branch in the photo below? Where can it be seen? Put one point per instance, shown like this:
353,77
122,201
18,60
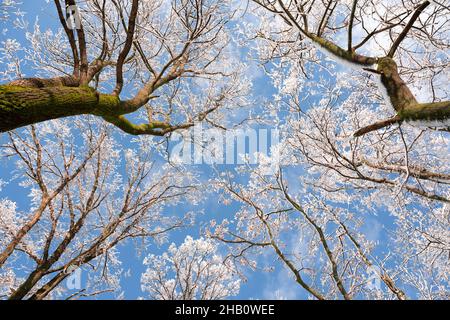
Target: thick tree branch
377,126
329,46
126,48
66,81
324,19
408,27
420,173
71,38
153,128
84,64
156,128
403,101
350,26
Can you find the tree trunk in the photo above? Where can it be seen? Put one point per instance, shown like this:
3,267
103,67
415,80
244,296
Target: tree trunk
32,279
21,106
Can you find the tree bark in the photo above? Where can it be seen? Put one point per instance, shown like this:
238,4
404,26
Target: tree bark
21,106
402,99
33,100
404,102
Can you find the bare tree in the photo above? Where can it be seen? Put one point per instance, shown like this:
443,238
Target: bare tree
323,245
155,49
316,23
192,271
359,183
82,209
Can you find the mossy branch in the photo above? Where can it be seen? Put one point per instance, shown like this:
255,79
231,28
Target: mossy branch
403,100
21,106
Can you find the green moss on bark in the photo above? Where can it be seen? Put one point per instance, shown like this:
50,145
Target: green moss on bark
350,56
399,94
436,111
21,106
